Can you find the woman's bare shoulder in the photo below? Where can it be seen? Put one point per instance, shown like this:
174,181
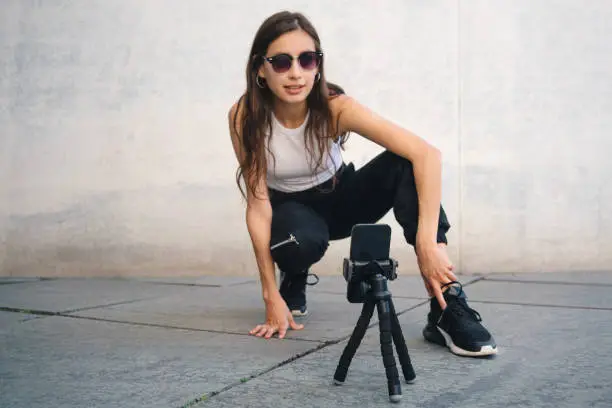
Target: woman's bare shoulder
338,104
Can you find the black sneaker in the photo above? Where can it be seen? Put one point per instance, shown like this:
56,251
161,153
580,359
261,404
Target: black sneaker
458,327
293,291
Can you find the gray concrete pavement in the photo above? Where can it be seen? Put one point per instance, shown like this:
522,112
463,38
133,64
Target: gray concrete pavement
183,342
235,309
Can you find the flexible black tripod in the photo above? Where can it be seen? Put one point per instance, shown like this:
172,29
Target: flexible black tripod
368,283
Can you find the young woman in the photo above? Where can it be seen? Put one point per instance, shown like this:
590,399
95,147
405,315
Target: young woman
287,130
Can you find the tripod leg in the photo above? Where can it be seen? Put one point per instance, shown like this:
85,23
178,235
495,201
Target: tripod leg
400,345
351,348
386,348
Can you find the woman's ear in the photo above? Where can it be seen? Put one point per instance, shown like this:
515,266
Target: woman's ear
260,71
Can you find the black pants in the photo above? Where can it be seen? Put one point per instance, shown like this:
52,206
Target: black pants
329,211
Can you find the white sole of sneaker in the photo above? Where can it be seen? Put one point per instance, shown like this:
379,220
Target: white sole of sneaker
484,350
297,313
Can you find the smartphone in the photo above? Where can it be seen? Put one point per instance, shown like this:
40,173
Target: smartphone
370,242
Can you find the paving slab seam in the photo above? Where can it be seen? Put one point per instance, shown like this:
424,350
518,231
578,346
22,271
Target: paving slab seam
66,312
548,282
16,283
208,396
201,285
331,292
28,311
35,280
162,326
229,285
472,279
497,302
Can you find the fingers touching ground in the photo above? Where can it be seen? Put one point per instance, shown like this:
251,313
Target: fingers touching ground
267,330
263,330
294,325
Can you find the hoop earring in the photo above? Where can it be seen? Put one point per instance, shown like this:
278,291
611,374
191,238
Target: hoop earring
258,82
317,77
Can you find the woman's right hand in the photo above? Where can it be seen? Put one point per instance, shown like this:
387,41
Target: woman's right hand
436,269
278,319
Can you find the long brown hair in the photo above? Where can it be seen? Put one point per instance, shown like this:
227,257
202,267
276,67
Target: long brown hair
257,104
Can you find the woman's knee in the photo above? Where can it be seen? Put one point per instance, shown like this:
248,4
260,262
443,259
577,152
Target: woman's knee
299,238
397,168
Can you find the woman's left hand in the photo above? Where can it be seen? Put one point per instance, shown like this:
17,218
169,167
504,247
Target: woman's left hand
436,269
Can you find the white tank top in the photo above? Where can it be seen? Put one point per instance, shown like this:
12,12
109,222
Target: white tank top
290,169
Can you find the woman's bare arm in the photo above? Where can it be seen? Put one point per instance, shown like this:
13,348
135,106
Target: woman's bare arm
425,158
258,218
259,222
427,166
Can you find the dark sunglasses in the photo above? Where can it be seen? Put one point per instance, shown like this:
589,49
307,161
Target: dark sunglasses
308,60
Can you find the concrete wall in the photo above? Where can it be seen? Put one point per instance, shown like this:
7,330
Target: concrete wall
115,157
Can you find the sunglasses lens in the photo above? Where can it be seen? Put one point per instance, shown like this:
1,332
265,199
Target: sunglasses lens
281,63
308,60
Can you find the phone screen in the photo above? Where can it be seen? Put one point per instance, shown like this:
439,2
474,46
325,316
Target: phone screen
370,242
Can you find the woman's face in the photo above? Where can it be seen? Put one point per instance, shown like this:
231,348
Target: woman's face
294,84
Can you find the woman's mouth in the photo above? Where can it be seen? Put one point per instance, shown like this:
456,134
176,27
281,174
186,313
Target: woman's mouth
293,89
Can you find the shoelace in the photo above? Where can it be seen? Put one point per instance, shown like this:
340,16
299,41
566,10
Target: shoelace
459,306
290,283
316,277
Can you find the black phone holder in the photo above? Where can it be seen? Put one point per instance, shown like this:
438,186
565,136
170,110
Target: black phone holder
358,274
367,284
